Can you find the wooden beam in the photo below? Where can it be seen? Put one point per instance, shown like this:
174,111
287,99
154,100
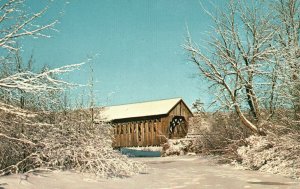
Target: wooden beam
121,135
118,135
136,134
132,134
142,125
146,141
126,134
154,132
159,132
149,133
114,144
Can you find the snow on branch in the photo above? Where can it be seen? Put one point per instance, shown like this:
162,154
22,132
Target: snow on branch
16,23
39,82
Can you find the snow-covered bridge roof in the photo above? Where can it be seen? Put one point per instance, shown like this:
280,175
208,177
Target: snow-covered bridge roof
142,109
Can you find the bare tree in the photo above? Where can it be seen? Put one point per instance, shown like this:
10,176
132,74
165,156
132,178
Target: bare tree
16,22
198,106
288,22
45,100
44,139
37,82
239,60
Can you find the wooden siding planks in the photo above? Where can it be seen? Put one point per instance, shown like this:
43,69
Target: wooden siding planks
152,131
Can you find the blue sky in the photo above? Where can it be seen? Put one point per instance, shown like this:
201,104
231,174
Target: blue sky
139,43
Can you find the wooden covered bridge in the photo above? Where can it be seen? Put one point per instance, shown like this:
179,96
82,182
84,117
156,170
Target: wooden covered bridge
148,123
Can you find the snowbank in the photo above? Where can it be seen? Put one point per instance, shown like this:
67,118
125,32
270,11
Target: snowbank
177,147
271,154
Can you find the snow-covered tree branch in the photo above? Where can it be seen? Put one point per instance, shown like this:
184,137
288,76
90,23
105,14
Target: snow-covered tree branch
38,82
16,22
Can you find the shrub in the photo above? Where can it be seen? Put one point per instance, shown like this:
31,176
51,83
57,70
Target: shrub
66,140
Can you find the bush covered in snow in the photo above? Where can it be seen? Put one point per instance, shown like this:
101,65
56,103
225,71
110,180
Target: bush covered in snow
178,147
218,133
278,155
66,140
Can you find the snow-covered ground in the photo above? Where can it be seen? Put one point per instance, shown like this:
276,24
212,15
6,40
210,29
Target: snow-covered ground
164,173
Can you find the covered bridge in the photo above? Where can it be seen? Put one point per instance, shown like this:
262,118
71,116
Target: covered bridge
148,123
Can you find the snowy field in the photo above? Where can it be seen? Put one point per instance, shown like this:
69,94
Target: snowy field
164,173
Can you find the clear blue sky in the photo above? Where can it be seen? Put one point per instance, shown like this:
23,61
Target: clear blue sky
139,43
